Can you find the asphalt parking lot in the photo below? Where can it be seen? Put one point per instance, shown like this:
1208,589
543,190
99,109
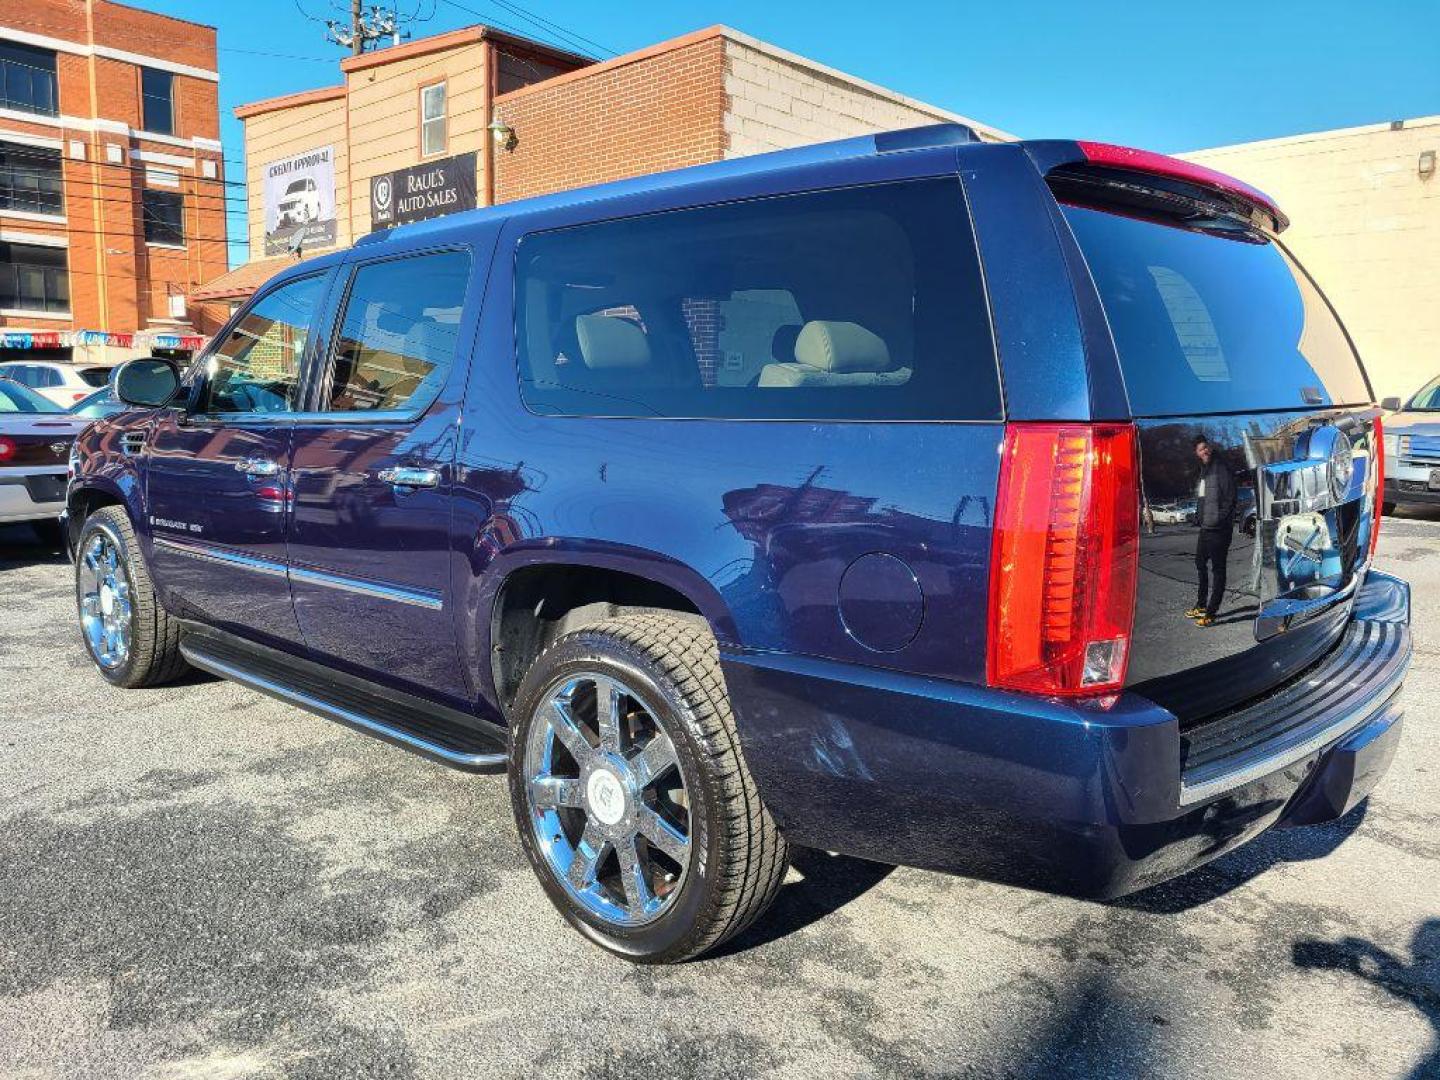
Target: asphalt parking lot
200,882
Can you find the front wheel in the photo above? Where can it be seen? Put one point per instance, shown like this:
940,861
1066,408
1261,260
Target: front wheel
130,636
634,804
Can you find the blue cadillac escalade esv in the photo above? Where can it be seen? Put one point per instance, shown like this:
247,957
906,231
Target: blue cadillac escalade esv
1002,509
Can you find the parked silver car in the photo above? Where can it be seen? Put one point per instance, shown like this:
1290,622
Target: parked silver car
1412,449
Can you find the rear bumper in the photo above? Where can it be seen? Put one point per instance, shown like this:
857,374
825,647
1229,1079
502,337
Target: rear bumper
18,492
1065,797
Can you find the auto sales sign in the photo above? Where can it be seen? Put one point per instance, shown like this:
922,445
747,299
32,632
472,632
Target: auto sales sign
423,191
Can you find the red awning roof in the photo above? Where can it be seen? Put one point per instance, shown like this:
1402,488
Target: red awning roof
240,283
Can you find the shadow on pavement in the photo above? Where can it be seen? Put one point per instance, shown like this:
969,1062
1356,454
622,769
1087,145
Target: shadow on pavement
1246,863
828,882
1416,982
24,545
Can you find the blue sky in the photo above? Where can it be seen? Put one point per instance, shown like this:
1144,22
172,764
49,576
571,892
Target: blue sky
1164,76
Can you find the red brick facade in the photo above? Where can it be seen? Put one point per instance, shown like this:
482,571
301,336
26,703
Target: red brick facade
646,114
118,283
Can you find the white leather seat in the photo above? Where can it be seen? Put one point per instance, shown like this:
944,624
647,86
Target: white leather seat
608,342
833,353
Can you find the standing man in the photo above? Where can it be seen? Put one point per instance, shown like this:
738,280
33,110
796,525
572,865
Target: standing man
1216,515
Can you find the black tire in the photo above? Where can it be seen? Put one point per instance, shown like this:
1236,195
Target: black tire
737,857
154,655
1386,509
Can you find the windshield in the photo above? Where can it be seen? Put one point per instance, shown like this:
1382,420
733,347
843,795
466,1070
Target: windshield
1427,400
15,398
1212,324
295,188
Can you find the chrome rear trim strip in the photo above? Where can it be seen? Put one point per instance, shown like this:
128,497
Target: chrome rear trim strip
348,717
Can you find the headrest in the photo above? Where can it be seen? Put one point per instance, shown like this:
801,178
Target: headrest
782,345
841,347
607,341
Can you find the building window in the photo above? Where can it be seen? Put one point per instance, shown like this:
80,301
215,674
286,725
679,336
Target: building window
157,101
164,215
432,120
30,179
34,278
27,79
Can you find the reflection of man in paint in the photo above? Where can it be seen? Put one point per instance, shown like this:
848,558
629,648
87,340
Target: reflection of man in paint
1215,515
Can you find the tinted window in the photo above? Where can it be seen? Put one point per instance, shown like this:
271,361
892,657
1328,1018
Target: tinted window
164,217
30,179
17,398
95,376
27,79
858,304
157,101
1209,323
398,336
47,376
1427,399
34,278
257,367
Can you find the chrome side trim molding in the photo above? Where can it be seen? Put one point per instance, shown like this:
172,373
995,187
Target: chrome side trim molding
225,558
349,717
414,597
367,588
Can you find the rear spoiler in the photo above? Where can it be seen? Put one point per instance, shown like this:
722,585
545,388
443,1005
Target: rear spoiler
1122,166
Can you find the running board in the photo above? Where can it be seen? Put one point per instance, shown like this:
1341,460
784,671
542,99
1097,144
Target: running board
444,735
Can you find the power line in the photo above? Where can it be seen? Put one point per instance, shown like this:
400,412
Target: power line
555,39
190,42
27,152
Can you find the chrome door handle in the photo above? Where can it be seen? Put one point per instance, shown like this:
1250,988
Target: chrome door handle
256,466
406,476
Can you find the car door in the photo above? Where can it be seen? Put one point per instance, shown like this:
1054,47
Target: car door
217,472
372,468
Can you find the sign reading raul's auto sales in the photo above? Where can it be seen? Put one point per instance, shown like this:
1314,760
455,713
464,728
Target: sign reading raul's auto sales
300,198
423,191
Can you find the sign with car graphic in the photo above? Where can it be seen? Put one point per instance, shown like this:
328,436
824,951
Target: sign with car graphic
300,201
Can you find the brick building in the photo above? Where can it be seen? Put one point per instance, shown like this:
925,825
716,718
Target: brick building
1365,208
503,118
111,180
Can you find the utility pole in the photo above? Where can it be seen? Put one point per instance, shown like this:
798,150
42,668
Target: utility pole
357,29
366,28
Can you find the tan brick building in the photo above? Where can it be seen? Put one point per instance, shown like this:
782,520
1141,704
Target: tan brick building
1364,203
111,180
537,120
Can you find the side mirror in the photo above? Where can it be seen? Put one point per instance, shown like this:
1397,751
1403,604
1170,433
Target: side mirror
147,383
1391,404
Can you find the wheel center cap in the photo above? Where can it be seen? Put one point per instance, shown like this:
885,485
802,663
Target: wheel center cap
606,796
107,599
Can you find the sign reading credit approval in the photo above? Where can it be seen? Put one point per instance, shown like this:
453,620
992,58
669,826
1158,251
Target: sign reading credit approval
423,191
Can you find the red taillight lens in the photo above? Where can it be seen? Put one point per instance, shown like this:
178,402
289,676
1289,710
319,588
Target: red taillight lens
7,449
1064,558
1377,455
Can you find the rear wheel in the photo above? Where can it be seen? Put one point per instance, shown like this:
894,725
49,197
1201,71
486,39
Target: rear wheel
1386,509
634,804
132,639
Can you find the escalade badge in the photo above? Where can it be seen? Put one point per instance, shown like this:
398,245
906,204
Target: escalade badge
59,447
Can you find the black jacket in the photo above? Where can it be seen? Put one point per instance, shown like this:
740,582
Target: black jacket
1217,505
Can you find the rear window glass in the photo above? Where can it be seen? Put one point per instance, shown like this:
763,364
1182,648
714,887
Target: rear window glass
862,304
1206,323
95,376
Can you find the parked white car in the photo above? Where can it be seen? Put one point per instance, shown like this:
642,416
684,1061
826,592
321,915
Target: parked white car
35,440
64,384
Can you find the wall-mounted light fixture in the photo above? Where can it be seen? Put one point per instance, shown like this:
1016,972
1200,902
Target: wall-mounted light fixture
502,133
1427,164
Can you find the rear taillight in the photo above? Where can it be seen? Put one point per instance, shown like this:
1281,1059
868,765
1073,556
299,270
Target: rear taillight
1064,559
1377,455
7,449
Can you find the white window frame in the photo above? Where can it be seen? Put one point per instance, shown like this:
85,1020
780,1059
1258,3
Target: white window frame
430,123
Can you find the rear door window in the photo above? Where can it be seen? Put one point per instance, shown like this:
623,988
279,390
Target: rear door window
397,339
856,304
1207,322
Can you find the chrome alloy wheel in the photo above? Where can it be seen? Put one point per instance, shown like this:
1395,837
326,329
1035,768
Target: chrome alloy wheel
106,614
606,799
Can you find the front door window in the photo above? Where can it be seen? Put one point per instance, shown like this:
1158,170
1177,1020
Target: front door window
256,369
